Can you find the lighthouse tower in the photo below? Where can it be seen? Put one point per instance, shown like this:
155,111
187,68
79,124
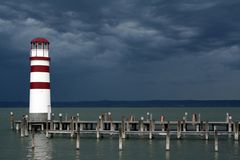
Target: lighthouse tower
39,98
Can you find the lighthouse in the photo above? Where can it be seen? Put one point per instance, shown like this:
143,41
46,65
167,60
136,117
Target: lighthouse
39,96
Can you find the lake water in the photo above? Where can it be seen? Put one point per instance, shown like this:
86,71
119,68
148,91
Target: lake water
12,146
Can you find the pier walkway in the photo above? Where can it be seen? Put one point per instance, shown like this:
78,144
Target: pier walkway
129,127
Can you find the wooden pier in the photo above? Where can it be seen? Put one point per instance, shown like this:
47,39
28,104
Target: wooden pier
128,127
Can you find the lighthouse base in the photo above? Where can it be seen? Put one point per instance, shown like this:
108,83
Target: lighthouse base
38,117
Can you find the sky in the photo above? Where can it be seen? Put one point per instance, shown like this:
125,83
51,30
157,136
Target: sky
124,49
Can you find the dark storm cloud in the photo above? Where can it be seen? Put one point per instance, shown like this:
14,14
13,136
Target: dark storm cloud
128,49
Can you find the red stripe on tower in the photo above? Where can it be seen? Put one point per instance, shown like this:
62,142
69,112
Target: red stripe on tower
40,58
39,68
39,85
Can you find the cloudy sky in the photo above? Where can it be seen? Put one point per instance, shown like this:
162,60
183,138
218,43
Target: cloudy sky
124,49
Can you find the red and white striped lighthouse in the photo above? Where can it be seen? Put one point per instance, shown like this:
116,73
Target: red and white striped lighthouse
40,97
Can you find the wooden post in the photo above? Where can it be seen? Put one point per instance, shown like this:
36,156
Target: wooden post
194,119
128,125
11,121
33,138
206,130
148,116
17,126
227,117
60,121
120,145
22,126
47,134
216,141
100,118
29,126
236,131
68,126
26,125
214,127
78,140
98,128
179,128
197,127
51,123
199,117
76,122
184,125
168,140
111,123
162,119
72,126
141,126
123,128
42,127
150,128
230,124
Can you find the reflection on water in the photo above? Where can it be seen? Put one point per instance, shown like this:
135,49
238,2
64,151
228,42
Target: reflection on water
43,148
167,155
216,156
120,155
77,157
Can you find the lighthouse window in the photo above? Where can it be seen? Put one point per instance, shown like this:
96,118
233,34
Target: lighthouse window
34,46
39,45
45,46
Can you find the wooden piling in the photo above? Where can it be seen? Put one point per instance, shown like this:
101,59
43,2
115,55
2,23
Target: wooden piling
123,128
78,140
26,125
97,130
120,145
179,128
47,134
197,127
100,118
141,126
216,141
11,121
72,126
111,124
194,119
168,140
33,138
206,130
236,131
150,129
17,126
199,117
22,126
184,125
29,126
51,122
60,121
127,125
148,116
162,119
76,122
230,124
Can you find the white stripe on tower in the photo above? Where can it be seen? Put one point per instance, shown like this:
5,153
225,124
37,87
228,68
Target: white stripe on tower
40,98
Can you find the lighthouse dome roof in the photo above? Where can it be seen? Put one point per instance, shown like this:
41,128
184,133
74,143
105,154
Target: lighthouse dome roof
39,40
